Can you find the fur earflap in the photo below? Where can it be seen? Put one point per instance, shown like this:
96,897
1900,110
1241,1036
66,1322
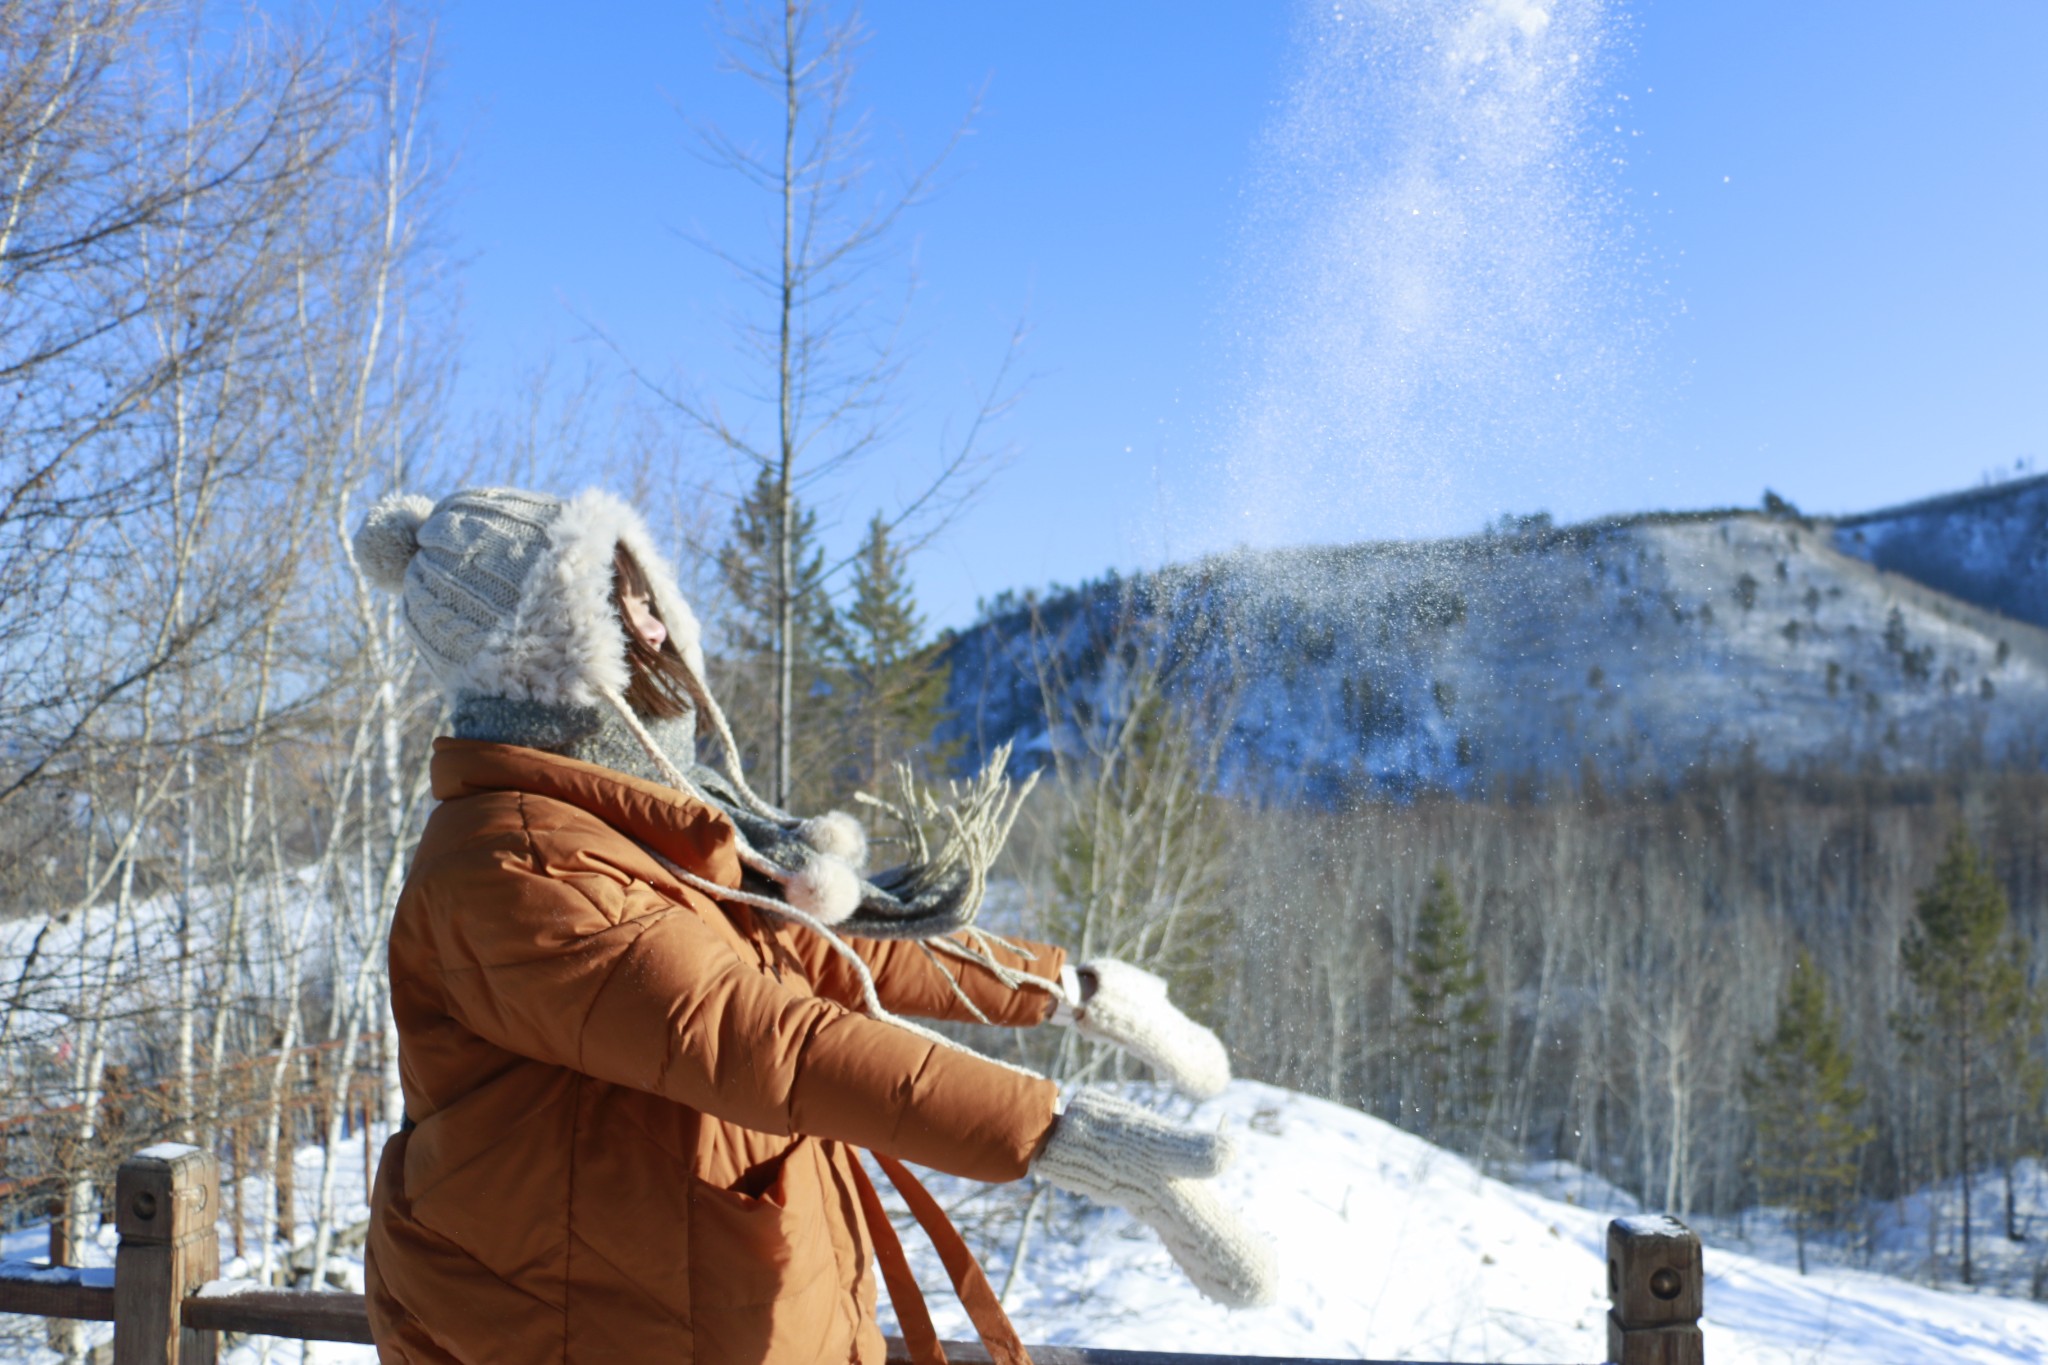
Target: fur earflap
566,645
390,536
839,834
825,888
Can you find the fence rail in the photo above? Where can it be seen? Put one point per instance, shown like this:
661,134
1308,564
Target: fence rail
169,1306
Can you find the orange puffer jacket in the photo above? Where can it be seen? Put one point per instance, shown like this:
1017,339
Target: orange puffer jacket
635,1107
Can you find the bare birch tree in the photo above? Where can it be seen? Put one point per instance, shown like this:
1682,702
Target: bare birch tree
825,354
211,325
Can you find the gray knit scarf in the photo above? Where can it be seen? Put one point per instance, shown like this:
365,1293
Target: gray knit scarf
589,734
934,892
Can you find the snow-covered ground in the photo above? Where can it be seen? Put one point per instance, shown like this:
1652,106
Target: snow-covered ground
1394,1249
1919,1237
59,961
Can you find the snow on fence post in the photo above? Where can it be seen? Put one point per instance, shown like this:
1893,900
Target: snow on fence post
166,1199
1654,1286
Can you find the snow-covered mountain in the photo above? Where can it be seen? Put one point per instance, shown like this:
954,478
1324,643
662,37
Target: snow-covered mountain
1642,646
1984,545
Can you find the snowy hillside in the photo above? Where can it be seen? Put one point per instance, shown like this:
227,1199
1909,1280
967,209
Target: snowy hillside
1391,1249
61,966
1987,545
1394,1249
1645,647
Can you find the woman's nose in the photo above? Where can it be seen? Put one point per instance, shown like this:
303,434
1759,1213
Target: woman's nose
654,632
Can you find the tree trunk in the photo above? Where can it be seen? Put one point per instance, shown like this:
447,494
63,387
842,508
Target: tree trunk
785,514
187,1104
1963,1145
284,1153
238,1156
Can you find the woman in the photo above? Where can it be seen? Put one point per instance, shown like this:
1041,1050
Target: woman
637,1056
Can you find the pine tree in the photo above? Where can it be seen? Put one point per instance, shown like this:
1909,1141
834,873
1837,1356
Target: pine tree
1447,1043
1804,1106
1895,631
894,680
747,563
1975,1019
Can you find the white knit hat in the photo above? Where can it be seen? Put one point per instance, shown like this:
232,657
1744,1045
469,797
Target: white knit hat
508,593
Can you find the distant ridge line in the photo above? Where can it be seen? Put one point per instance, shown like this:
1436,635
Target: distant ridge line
1945,502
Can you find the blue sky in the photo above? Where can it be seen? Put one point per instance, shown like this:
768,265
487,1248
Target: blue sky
1766,245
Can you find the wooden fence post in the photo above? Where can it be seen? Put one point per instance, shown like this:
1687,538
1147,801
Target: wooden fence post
62,1336
1654,1285
166,1199
60,1229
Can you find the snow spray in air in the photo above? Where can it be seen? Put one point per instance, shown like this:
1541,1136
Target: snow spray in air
1428,314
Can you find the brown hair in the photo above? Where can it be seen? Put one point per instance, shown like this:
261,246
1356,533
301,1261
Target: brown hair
660,684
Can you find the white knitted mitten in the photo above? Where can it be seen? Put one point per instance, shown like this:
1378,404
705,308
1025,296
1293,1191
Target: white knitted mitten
1127,1006
1116,1152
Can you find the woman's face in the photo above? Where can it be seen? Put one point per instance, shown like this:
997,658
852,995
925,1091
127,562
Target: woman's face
641,620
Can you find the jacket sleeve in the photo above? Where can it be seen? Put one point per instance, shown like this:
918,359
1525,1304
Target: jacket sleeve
552,962
912,982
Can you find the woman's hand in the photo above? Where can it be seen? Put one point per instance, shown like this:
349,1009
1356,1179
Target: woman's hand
1127,1006
1116,1152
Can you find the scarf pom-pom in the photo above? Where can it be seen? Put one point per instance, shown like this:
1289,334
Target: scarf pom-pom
826,888
838,835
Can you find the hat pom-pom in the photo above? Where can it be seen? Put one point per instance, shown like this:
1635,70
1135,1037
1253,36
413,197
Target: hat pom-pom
825,888
390,536
838,834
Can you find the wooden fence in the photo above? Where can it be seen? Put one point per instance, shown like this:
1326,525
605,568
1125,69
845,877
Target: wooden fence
169,1307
